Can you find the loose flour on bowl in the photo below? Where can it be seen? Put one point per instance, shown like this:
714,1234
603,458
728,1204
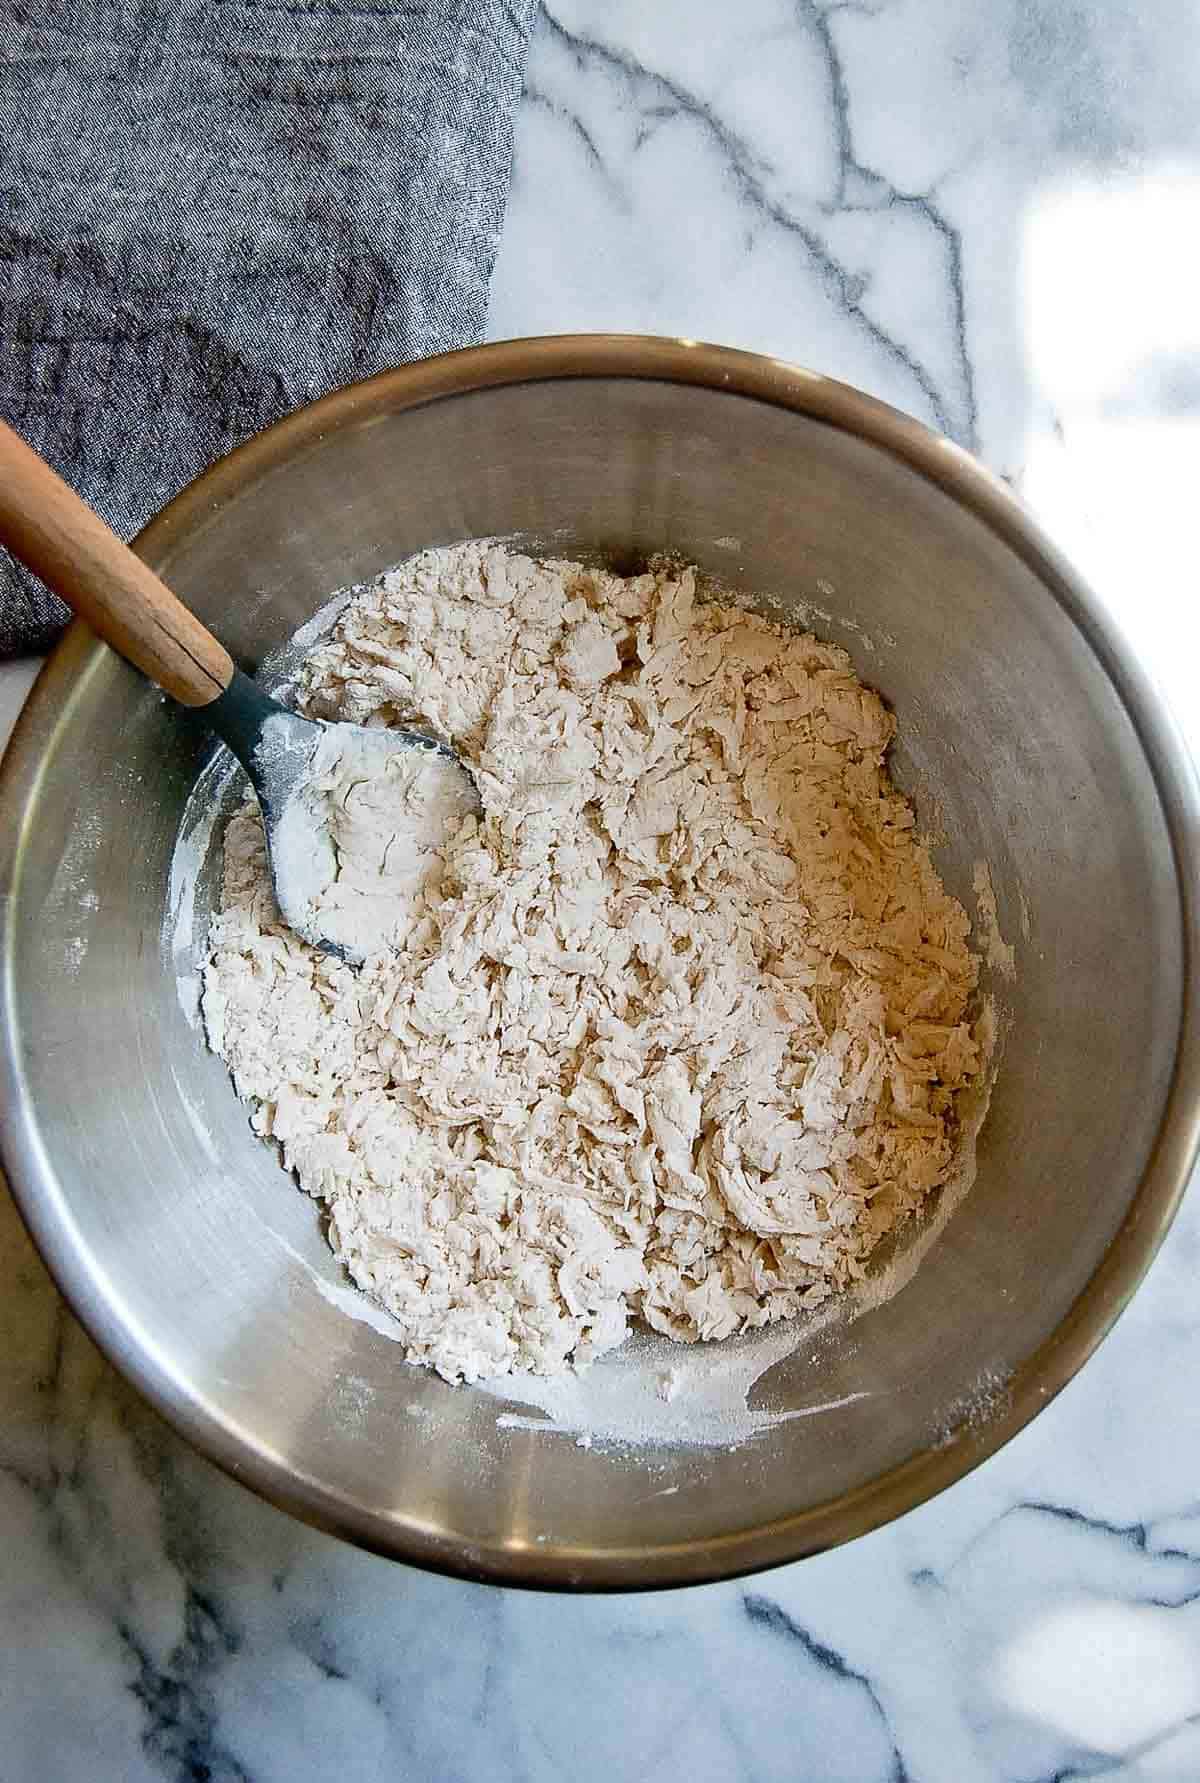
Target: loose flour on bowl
678,1025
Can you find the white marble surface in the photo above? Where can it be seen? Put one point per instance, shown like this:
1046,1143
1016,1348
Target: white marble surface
986,213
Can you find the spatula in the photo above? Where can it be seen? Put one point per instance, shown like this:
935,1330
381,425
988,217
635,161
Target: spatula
46,525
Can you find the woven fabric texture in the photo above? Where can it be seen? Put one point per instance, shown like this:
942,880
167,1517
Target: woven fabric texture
212,211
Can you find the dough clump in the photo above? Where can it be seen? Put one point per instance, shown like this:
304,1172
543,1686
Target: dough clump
675,1029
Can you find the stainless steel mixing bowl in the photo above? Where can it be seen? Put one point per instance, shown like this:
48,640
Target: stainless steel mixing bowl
199,1268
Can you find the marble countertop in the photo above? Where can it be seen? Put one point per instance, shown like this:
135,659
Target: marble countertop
986,214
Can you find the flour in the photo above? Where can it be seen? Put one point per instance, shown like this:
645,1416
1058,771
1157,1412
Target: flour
209,806
677,1029
998,953
359,842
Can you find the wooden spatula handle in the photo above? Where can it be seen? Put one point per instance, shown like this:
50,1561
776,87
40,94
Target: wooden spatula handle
44,523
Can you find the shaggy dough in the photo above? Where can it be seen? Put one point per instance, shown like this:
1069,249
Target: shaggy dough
356,843
675,1030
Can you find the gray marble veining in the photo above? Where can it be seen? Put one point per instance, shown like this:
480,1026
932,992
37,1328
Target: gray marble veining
987,215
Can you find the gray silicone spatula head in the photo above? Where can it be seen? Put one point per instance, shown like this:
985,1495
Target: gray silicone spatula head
353,816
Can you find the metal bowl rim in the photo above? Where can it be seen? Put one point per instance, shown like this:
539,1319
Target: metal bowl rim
735,373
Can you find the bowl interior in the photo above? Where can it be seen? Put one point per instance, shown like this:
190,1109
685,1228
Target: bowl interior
204,1271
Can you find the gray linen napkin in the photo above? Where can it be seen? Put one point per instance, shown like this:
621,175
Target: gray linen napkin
214,210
